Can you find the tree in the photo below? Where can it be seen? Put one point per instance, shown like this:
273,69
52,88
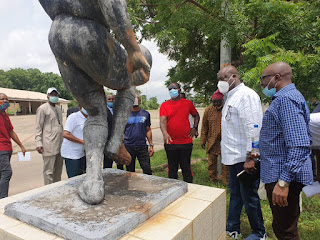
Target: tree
33,80
260,32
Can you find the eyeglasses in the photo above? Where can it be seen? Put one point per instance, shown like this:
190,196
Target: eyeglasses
269,75
228,115
4,99
174,87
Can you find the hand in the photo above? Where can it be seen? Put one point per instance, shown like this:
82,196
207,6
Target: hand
167,139
23,150
193,133
280,195
203,146
40,149
151,151
249,167
138,68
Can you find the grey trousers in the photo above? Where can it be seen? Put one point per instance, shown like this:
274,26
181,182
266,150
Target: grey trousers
5,173
52,168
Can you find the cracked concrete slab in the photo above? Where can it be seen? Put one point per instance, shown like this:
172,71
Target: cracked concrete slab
130,199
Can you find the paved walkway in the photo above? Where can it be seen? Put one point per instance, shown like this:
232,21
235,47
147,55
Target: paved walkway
28,175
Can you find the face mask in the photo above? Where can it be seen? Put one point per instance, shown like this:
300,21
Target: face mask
136,102
84,111
174,93
269,93
4,106
53,99
110,104
224,86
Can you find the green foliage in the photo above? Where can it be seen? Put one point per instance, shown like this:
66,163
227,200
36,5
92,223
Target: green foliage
259,32
32,80
151,104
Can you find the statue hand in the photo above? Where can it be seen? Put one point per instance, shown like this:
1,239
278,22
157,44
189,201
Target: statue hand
138,68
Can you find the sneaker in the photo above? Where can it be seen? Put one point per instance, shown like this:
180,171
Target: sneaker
254,236
234,234
264,237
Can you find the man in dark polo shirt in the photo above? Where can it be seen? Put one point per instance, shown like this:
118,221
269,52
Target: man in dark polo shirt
137,131
6,133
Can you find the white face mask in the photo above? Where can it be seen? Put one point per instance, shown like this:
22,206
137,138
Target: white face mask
223,86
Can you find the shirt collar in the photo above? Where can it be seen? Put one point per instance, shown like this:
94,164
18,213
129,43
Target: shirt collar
230,93
285,89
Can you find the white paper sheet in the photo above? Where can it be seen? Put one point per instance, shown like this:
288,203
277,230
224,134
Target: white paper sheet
311,190
25,158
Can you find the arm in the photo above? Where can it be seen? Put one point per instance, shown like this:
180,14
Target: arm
15,138
204,129
163,126
116,14
149,137
68,135
250,113
194,131
39,128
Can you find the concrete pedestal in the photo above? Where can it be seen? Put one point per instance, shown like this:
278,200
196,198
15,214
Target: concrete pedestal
199,214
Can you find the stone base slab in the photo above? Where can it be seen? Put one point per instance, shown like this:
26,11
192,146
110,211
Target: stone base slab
199,214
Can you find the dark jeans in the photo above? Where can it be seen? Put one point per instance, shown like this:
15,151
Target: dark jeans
246,195
5,173
142,153
75,167
179,154
107,163
285,219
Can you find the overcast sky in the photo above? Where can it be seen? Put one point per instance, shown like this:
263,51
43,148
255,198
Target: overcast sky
24,44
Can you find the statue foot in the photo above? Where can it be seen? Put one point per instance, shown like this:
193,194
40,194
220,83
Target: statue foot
122,156
92,191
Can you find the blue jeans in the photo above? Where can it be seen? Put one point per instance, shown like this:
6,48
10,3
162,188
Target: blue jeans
5,173
75,167
246,195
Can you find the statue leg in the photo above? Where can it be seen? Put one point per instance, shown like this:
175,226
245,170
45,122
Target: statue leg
91,96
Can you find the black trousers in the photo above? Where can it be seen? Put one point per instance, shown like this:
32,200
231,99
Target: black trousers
179,154
142,153
107,163
285,219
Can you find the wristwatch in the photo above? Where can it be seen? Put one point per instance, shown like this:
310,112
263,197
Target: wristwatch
151,145
195,127
283,184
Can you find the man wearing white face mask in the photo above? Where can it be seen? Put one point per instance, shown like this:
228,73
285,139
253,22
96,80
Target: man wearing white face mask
177,133
242,110
48,137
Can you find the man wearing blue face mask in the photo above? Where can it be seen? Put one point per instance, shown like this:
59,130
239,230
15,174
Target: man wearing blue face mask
177,133
6,134
285,140
48,137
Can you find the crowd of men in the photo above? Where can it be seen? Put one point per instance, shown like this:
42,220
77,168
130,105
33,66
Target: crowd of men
227,130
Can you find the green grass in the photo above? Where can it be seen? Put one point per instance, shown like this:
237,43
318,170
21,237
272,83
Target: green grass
309,222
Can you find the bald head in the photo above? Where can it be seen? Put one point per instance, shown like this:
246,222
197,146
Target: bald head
281,68
230,75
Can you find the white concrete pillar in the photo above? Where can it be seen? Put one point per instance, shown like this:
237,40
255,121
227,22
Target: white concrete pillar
29,107
14,108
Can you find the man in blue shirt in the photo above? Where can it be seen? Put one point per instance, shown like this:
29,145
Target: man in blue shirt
285,140
136,131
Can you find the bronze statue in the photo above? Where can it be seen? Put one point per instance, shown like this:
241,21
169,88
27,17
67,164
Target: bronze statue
89,58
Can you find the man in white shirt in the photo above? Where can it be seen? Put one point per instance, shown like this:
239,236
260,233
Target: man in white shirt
241,111
72,149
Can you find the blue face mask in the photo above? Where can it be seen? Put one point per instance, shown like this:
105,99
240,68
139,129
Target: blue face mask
53,99
269,93
84,111
4,106
110,104
174,93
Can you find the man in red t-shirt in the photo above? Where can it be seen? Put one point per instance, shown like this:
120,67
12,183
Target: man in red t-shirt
6,133
177,133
